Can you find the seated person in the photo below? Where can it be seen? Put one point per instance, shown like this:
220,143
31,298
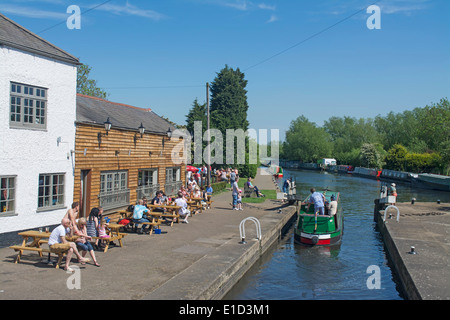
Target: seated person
255,188
209,190
57,241
158,200
184,211
138,214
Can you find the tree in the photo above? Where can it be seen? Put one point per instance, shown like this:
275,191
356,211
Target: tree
396,157
229,111
306,142
196,113
370,156
88,86
229,100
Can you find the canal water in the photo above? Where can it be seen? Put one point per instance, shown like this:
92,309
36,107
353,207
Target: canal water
290,271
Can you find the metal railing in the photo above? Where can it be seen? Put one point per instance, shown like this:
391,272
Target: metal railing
114,199
148,191
242,229
171,188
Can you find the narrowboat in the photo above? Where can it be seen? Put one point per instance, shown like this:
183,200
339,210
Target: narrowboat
276,170
433,181
316,230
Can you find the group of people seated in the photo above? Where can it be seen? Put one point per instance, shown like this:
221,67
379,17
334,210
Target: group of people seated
83,230
141,209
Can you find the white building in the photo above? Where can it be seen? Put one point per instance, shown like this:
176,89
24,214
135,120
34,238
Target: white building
37,132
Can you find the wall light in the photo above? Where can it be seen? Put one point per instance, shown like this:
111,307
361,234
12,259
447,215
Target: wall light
107,125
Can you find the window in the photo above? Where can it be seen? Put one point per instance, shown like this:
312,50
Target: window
173,181
7,194
114,190
147,183
173,174
147,177
28,106
51,191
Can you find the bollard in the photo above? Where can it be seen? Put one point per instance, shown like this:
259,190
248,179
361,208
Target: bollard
413,250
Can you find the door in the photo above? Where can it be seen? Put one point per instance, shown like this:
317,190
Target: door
85,193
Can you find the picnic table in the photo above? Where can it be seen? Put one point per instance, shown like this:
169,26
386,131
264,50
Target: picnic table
35,245
114,234
171,211
195,204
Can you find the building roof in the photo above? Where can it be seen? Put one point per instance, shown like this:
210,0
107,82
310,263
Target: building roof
15,36
91,110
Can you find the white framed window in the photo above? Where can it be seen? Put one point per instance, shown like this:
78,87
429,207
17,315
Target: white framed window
147,183
51,191
7,195
173,174
147,177
114,190
173,181
28,106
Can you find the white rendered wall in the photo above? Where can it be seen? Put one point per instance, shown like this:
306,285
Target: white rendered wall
27,153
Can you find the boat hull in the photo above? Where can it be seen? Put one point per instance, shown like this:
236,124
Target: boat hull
317,239
320,230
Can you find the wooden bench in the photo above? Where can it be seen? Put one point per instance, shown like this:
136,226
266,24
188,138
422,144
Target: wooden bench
152,225
249,192
209,202
21,249
157,214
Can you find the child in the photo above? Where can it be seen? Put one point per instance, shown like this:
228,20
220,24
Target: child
239,200
102,231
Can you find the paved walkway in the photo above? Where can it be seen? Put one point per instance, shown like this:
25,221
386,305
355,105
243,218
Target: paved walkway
425,226
198,260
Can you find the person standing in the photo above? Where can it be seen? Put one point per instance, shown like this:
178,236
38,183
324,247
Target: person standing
318,199
72,215
235,193
332,206
232,178
393,192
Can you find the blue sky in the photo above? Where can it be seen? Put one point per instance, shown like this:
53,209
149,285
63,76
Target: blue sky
160,54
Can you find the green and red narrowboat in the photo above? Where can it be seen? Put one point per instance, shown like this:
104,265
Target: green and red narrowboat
314,229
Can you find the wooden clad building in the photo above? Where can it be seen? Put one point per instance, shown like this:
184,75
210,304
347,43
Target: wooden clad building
115,166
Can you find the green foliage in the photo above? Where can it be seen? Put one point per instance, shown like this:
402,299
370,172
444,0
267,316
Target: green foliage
396,158
228,110
424,162
306,142
417,140
218,186
229,100
198,112
370,156
88,86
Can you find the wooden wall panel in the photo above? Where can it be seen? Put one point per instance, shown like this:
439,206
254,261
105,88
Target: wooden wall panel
131,157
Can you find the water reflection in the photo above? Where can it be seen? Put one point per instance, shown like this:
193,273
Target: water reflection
291,271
